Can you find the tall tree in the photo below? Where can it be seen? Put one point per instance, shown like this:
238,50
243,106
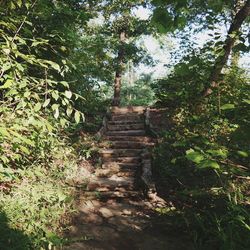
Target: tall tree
170,15
221,61
119,70
124,28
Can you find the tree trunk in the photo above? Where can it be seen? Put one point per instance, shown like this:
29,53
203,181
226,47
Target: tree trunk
221,61
119,70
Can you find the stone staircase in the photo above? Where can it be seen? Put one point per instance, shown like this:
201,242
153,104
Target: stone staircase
113,213
126,140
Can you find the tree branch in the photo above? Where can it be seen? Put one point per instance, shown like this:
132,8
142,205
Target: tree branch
221,61
21,25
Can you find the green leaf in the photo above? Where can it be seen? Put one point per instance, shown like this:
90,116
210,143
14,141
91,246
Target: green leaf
61,197
68,94
23,84
162,19
65,84
65,101
83,117
227,106
4,159
19,3
48,126
4,132
246,101
7,84
6,51
69,111
24,149
54,65
35,43
242,153
23,138
56,113
55,95
77,116
26,94
218,152
194,156
209,164
173,161
12,6
37,107
55,106
63,122
46,103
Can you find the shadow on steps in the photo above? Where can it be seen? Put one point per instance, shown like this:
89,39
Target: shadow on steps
121,225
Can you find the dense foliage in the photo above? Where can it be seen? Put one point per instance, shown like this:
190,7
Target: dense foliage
58,60
38,103
203,160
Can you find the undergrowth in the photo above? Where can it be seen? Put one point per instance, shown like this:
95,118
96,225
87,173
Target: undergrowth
202,165
38,200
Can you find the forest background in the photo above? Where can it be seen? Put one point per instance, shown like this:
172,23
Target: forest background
59,61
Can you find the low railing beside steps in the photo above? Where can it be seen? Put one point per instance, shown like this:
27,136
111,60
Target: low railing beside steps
104,126
146,163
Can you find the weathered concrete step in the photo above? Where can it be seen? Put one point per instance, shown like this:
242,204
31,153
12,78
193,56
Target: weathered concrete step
128,144
127,174
122,172
122,166
123,160
120,169
125,122
130,138
113,183
110,153
126,127
113,168
127,118
126,133
125,110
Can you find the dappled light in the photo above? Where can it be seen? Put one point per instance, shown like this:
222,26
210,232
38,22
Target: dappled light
124,125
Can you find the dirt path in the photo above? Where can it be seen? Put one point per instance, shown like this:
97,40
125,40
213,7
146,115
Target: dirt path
120,224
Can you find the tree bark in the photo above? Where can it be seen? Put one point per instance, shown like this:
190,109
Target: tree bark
221,61
119,70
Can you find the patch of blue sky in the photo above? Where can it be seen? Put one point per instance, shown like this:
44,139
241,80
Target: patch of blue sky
161,52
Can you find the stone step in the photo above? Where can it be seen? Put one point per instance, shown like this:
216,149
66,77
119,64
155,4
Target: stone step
105,172
114,183
127,173
123,160
126,127
126,133
111,153
128,144
125,122
143,139
127,118
126,110
121,166
122,163
122,169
